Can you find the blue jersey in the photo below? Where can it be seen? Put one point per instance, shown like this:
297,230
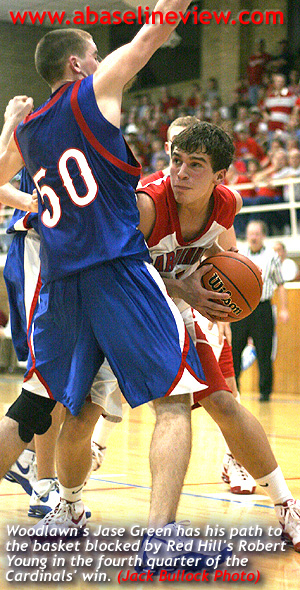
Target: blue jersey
86,176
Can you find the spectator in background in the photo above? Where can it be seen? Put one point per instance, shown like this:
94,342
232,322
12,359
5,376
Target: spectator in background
211,94
294,85
161,163
212,89
238,174
256,69
242,88
279,104
292,144
195,99
283,63
158,152
289,268
246,147
242,120
292,171
259,325
276,144
256,118
268,194
167,100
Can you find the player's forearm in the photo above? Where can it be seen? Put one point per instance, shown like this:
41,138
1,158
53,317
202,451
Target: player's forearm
157,33
12,197
174,288
6,133
166,6
124,63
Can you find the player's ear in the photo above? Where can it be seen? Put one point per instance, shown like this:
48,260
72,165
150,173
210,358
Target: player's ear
168,148
74,63
219,177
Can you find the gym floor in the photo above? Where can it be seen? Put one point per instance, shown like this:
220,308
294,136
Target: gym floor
118,493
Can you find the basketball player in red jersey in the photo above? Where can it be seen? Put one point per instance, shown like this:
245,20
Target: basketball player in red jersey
190,218
235,475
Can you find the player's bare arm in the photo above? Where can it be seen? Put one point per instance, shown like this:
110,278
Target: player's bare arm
190,290
124,63
227,240
12,197
10,159
17,109
147,212
11,162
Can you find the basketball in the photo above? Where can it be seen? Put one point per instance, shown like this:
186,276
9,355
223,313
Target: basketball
238,276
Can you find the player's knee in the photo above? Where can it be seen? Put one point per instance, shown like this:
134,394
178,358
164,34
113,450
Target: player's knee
78,428
221,403
33,414
172,406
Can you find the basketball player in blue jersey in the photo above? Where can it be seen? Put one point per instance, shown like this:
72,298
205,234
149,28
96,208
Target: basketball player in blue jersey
97,283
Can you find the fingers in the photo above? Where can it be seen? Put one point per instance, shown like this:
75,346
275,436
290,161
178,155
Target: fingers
18,107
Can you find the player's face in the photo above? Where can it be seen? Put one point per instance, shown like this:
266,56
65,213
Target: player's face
192,176
90,61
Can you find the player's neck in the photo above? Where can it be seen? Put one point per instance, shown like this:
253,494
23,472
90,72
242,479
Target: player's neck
63,81
194,217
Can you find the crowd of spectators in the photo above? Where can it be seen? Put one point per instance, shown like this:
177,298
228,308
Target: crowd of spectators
263,119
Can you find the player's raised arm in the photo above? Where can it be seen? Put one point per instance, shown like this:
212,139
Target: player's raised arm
11,161
16,110
121,65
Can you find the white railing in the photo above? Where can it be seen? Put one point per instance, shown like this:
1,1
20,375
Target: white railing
292,239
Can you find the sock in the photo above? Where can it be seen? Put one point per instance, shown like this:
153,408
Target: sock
275,486
71,494
42,485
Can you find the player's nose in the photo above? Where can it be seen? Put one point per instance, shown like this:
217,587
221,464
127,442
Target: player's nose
182,172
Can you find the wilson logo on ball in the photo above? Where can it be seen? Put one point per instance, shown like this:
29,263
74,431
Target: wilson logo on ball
217,285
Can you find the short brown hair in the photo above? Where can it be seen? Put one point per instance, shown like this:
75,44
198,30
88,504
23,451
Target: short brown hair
53,50
206,138
182,122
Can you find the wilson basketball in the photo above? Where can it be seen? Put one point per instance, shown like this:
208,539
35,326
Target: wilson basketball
238,276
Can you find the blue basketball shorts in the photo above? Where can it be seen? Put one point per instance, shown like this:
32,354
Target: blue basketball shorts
119,310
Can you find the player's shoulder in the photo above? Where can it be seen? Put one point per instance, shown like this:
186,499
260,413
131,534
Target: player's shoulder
150,178
226,204
156,188
224,194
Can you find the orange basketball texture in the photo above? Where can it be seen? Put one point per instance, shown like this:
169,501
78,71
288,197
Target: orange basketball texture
239,277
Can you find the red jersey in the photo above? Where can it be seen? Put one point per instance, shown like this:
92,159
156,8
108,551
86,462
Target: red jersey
256,68
150,178
172,256
280,106
250,146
